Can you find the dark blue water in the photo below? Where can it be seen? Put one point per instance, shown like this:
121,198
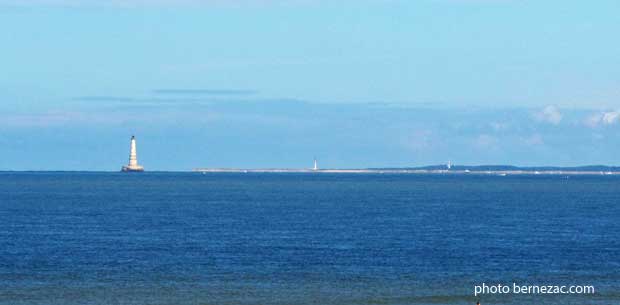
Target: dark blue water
185,238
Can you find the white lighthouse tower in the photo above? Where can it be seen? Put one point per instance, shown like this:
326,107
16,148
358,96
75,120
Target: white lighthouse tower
316,167
133,159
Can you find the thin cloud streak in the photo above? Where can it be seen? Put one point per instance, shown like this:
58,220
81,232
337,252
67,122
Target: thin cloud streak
205,92
102,98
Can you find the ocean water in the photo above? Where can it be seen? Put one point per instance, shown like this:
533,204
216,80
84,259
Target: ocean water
188,238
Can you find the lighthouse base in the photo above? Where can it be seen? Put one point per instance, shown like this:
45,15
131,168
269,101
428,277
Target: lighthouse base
132,169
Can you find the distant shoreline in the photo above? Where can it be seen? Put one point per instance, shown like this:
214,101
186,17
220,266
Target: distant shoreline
408,171
498,170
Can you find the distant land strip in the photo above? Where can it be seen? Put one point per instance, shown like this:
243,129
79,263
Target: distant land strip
501,170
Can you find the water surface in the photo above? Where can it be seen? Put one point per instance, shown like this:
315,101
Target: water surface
188,238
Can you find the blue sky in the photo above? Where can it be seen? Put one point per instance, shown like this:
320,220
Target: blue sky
274,83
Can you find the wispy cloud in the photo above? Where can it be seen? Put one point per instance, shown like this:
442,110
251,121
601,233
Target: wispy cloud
499,126
205,91
550,114
169,97
102,98
605,118
119,102
485,142
420,140
533,140
56,118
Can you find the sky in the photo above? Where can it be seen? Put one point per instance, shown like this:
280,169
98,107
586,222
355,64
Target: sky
355,84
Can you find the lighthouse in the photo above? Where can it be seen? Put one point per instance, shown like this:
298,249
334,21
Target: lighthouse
133,159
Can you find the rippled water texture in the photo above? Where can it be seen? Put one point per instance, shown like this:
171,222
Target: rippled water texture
188,238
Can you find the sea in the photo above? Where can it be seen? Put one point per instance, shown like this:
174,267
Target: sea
305,238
